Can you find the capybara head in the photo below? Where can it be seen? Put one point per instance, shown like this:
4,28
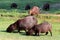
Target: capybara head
29,32
10,28
13,26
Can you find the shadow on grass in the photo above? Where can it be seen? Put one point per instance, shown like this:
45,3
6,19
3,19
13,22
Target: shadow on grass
2,30
23,33
8,32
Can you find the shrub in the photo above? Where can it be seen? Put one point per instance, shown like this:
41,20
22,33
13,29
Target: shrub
46,6
27,7
13,5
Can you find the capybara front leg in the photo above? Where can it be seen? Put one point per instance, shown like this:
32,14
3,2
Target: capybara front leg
46,33
35,33
19,30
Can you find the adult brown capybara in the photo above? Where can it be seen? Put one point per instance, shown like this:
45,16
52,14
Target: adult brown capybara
40,28
34,11
23,24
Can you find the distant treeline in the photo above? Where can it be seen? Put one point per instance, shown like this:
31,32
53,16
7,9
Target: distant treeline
21,4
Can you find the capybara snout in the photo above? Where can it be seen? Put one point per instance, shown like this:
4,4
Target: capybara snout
9,29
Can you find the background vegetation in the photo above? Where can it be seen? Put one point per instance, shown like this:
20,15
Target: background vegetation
5,4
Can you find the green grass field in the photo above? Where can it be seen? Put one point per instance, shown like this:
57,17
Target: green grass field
9,16
5,21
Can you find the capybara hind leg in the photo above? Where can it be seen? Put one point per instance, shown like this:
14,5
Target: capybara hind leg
19,31
50,32
46,33
37,34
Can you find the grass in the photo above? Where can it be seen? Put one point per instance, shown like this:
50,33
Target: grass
6,21
16,36
13,36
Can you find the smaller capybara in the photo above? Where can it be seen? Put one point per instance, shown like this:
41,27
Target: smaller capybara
23,24
34,11
41,28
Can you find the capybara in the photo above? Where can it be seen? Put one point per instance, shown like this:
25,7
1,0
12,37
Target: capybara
40,28
23,24
34,11
13,5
